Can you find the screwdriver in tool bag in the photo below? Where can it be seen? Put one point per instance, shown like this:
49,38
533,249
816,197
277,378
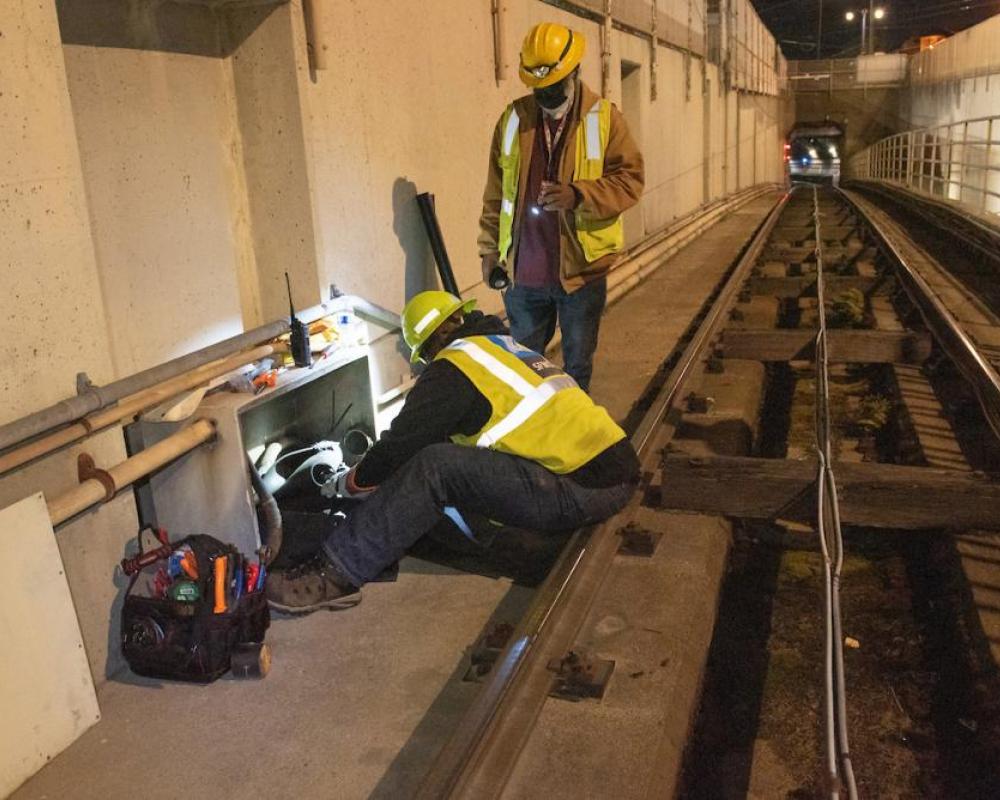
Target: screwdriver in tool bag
253,570
189,563
130,566
238,585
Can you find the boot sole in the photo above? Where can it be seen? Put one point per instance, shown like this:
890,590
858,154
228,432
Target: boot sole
336,604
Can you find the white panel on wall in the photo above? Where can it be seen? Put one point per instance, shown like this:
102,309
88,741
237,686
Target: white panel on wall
46,691
975,51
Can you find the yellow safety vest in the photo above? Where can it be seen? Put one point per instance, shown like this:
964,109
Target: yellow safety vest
538,411
597,237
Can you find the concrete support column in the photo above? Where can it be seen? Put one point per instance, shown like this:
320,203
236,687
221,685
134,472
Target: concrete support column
269,67
54,321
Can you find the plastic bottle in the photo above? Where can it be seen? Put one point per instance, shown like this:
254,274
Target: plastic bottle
351,330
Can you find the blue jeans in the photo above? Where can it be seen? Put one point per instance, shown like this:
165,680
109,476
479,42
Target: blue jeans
532,315
505,488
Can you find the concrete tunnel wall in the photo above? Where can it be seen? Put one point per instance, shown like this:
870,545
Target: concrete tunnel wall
162,169
55,321
957,81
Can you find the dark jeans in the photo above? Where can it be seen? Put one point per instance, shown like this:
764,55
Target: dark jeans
532,315
508,489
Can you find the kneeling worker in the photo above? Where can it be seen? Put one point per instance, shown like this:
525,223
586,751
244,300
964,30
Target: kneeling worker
490,428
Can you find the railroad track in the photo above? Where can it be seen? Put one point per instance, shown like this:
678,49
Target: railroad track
828,286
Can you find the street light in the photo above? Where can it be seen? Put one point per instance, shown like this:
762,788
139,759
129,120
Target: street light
867,30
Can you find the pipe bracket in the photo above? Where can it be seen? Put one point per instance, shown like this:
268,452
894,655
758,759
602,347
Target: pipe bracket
85,387
83,383
87,470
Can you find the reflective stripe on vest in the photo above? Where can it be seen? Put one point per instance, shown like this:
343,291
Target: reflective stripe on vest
537,410
597,237
510,171
532,397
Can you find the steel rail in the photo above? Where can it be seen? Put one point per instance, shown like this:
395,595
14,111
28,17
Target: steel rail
477,759
922,204
947,330
980,373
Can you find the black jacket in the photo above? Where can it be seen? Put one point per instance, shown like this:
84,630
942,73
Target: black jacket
444,402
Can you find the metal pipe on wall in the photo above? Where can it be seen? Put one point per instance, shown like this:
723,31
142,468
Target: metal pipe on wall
606,50
314,33
425,202
94,398
97,397
94,490
128,407
654,48
687,58
498,9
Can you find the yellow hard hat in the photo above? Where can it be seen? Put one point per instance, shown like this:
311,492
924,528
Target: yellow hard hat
424,314
550,52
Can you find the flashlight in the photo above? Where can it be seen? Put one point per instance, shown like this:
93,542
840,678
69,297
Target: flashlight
499,278
535,210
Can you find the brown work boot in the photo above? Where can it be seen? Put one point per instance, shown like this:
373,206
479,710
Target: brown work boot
310,586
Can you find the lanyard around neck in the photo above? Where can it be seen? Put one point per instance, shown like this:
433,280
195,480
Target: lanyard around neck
552,141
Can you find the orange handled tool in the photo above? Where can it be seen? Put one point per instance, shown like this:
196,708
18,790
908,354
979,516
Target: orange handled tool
189,564
220,585
266,380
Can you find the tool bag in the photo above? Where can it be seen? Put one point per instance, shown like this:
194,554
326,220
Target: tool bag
189,640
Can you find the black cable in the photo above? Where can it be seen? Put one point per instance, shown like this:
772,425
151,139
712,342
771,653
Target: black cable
340,419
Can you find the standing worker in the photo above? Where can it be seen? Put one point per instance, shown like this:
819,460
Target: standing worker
490,428
562,169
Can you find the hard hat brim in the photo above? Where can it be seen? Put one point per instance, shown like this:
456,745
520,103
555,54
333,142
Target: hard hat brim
465,305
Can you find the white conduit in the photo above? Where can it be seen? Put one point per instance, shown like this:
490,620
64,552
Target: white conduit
841,771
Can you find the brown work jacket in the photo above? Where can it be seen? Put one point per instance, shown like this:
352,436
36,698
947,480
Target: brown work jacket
618,189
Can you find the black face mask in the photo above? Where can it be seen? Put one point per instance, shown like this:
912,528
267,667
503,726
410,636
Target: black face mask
551,96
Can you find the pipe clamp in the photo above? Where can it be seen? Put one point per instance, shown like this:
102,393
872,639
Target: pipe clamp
87,470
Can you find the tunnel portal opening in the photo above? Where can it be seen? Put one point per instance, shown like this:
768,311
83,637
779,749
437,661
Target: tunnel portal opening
813,152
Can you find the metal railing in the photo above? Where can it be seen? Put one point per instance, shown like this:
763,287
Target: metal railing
957,161
822,75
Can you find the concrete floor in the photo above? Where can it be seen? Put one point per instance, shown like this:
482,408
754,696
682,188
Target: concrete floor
357,702
352,708
653,617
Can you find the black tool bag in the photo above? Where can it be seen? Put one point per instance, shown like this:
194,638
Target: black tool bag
164,638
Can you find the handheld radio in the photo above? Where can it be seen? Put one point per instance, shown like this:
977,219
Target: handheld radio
301,354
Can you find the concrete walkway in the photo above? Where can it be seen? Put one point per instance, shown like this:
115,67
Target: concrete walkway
357,702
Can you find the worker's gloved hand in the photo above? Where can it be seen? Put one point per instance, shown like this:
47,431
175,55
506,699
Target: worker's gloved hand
490,262
557,197
344,486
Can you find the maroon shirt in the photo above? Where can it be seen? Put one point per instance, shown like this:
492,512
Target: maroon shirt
537,262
